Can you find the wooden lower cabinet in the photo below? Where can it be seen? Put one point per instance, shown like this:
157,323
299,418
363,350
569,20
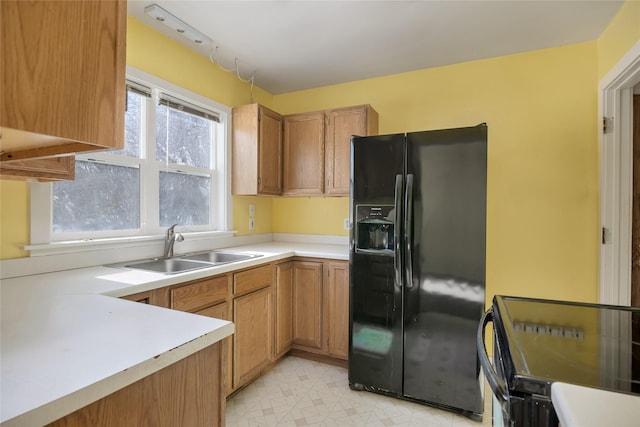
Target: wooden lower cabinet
300,304
253,339
221,311
336,313
283,308
307,306
187,393
321,307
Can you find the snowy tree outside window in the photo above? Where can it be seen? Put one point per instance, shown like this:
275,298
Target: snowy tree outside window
164,175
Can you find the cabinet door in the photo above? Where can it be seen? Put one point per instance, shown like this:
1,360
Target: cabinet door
63,86
284,308
341,124
221,311
253,339
256,151
269,152
337,309
304,154
307,305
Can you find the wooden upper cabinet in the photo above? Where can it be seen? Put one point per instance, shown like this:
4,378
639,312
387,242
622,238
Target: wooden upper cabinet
63,85
257,151
304,154
317,149
341,124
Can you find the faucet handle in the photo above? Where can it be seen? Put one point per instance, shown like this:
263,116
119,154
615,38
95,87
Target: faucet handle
170,230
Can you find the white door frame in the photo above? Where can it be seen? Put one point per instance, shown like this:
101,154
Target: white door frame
615,103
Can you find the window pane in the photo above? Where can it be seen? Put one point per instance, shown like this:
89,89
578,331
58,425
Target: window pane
184,199
133,125
183,138
103,197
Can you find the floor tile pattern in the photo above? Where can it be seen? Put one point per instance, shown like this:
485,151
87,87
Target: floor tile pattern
299,392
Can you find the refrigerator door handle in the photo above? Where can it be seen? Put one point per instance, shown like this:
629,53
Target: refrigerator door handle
408,223
497,383
397,248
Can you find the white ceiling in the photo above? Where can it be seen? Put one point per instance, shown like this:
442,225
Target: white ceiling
295,45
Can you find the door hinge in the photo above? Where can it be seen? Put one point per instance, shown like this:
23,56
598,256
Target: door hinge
605,235
607,124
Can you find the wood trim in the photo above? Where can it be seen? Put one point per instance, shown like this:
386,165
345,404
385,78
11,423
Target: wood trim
51,169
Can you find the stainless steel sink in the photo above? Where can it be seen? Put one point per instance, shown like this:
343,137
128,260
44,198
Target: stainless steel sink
217,258
167,265
189,262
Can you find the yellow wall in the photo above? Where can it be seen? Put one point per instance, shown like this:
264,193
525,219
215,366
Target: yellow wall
310,215
14,218
541,109
157,54
263,218
621,34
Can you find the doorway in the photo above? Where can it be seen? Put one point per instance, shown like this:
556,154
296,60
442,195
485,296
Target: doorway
635,227
616,92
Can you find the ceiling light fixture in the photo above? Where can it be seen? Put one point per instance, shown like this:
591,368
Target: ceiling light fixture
161,15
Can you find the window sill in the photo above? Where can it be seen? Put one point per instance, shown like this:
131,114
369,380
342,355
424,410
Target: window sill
77,246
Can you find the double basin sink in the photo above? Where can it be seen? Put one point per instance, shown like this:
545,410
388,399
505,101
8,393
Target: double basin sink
184,263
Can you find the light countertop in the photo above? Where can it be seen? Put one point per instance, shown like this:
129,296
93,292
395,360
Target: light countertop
66,342
579,406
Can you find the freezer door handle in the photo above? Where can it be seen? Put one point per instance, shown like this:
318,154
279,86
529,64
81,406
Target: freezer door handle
408,229
497,384
397,248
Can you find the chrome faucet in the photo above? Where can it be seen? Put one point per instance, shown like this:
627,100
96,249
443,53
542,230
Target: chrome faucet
170,240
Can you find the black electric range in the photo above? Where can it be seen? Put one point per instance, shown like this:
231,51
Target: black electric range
537,342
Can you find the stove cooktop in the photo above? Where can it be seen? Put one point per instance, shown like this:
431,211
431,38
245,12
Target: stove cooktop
586,344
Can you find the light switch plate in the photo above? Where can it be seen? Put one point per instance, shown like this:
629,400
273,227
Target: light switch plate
346,224
251,223
252,210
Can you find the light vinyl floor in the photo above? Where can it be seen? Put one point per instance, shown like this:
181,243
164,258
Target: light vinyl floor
299,392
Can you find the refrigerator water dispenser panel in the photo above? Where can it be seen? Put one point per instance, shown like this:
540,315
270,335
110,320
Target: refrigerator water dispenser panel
374,231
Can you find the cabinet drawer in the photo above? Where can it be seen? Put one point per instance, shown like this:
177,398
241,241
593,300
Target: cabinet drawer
199,295
250,280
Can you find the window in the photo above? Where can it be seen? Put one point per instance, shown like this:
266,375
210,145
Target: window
172,170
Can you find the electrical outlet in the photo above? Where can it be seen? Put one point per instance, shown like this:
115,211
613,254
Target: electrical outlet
251,224
252,210
346,224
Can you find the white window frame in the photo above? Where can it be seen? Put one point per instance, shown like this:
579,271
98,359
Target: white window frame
42,239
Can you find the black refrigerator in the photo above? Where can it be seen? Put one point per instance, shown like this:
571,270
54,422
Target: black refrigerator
417,266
